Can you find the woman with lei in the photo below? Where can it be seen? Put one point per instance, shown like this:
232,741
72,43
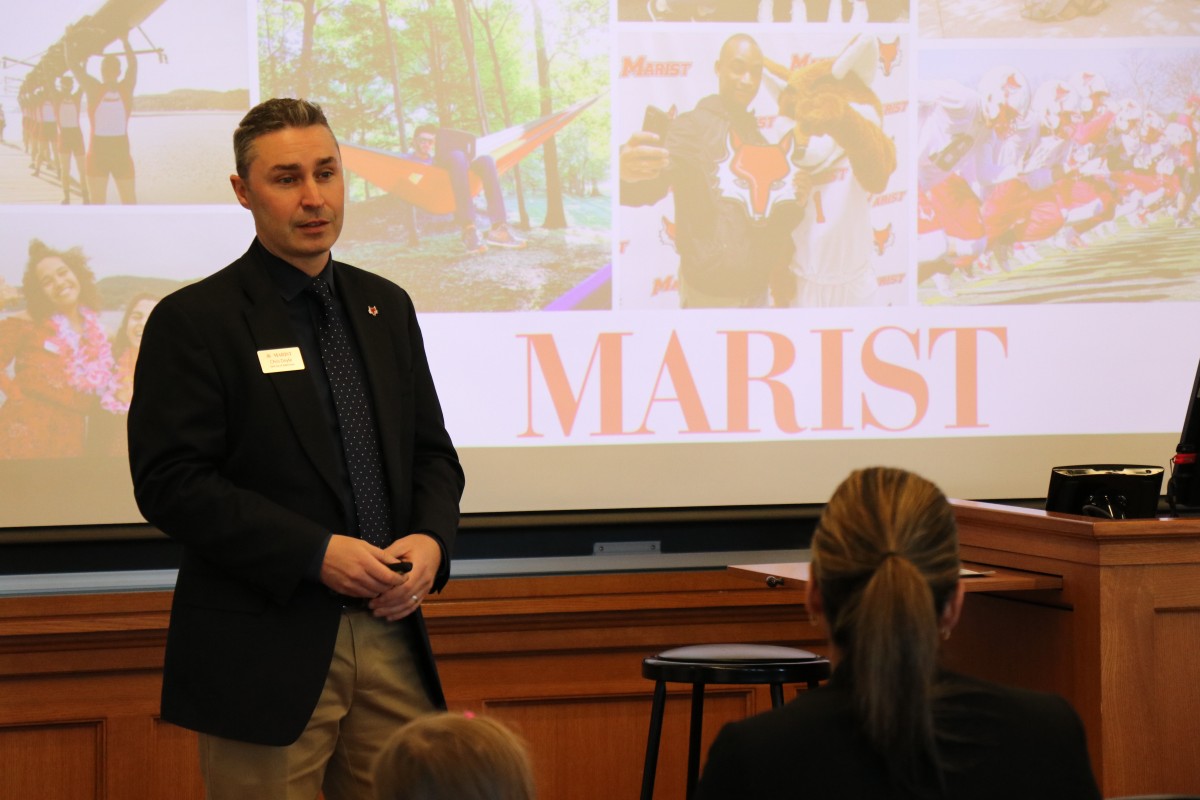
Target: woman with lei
62,363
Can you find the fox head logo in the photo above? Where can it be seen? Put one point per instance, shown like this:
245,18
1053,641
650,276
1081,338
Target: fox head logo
883,238
757,175
889,55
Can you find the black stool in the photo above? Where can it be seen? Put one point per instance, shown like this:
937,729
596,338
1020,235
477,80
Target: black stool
719,664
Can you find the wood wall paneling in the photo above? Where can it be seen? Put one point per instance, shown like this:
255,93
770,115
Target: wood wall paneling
560,658
51,760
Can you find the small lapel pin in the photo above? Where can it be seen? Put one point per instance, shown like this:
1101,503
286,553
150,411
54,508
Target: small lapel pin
373,311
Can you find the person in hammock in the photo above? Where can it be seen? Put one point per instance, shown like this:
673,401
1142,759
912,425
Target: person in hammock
456,163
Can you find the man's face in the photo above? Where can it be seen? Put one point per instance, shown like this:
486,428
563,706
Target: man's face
294,188
424,142
739,73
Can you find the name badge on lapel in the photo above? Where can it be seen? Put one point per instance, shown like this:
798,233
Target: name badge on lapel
285,359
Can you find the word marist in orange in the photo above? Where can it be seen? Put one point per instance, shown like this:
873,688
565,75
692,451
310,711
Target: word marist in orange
642,67
888,379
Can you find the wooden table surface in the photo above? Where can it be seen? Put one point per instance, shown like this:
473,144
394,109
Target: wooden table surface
991,579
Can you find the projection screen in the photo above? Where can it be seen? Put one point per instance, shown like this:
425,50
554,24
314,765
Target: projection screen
953,235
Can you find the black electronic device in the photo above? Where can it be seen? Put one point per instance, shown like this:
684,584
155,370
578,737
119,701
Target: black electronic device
656,121
1183,487
1111,491
401,567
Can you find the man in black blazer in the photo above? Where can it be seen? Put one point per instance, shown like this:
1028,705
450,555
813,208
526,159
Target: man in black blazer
294,647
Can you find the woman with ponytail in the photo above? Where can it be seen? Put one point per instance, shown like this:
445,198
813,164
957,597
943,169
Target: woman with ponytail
891,723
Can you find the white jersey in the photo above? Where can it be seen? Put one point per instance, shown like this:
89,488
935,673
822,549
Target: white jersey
68,114
833,242
951,129
109,118
1048,152
1149,154
1002,157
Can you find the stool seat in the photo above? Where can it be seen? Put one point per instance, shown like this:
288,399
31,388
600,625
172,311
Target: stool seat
721,664
736,664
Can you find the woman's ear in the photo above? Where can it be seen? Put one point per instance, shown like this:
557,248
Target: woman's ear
953,609
812,599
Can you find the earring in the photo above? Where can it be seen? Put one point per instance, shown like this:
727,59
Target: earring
946,634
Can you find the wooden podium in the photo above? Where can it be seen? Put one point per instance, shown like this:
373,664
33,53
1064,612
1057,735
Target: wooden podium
1120,639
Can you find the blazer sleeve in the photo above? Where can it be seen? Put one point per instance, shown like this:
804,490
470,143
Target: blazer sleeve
437,478
190,480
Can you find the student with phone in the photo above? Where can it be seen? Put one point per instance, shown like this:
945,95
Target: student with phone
725,258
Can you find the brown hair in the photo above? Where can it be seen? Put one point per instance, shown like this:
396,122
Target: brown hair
36,302
885,560
450,756
120,342
270,116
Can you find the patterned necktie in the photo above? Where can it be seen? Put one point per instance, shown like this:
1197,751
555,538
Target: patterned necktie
360,437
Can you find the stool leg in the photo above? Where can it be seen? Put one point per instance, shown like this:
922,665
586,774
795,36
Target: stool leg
652,740
697,725
776,695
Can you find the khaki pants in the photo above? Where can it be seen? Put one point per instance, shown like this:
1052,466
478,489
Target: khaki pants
373,688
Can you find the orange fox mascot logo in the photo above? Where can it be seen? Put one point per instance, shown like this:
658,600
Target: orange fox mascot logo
889,55
883,238
758,175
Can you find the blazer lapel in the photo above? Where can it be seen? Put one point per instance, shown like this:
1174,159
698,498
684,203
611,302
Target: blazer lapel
267,317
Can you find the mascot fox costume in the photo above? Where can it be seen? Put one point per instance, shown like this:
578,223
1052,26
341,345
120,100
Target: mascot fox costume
842,156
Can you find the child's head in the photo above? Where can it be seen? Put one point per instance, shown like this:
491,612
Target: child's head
451,756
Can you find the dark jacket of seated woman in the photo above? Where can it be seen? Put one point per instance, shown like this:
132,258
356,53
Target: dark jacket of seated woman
890,724
995,742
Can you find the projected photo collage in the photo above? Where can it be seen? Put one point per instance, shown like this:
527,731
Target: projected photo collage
953,153
592,156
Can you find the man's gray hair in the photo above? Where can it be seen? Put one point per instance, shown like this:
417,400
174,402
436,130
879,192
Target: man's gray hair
270,116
